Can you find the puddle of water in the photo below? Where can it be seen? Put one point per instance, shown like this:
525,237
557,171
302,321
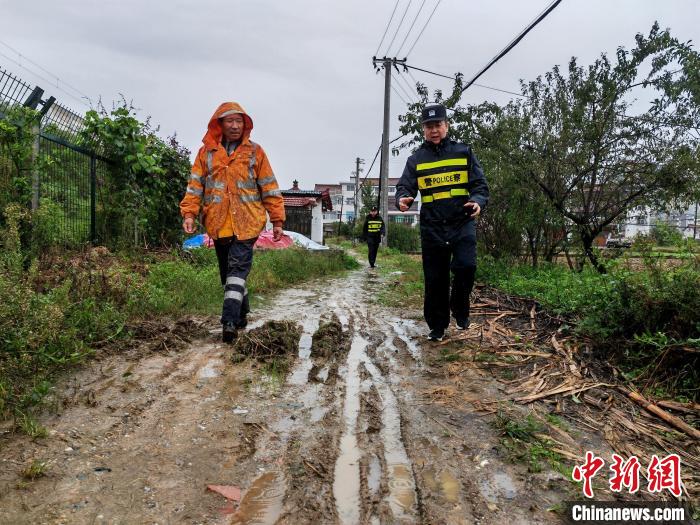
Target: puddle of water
402,490
500,485
401,333
374,475
449,485
262,502
210,369
346,480
402,486
300,373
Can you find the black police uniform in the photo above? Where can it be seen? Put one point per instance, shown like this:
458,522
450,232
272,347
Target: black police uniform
448,175
372,232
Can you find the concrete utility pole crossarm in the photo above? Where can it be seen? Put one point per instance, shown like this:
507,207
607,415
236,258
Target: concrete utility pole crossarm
386,63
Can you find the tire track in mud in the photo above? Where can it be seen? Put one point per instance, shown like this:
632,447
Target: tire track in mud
342,459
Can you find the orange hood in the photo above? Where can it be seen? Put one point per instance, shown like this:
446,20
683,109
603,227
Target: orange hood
212,138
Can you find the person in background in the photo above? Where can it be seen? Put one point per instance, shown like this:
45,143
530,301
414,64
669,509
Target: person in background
372,232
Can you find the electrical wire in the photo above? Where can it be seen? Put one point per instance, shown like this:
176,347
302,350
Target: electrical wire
454,78
426,25
398,53
23,57
387,27
398,28
399,95
513,43
403,89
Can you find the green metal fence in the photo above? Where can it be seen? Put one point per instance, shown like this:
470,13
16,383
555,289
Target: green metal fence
65,175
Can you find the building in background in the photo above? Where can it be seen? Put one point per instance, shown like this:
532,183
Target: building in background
640,221
305,210
343,197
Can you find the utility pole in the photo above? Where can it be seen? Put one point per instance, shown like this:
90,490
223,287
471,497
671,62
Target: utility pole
357,172
386,63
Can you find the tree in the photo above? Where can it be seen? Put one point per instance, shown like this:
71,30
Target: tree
593,159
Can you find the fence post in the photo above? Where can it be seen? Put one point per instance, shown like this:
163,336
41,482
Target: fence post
93,198
36,132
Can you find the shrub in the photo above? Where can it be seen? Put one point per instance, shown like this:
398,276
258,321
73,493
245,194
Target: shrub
403,237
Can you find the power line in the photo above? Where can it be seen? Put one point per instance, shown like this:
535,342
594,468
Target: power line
412,77
399,95
398,27
455,78
411,28
19,63
513,43
408,92
387,27
426,25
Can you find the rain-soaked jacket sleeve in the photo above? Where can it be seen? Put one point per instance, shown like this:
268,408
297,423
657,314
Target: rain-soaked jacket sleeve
269,190
408,183
192,201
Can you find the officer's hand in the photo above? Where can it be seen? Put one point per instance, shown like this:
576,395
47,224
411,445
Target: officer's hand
276,233
405,203
473,208
188,225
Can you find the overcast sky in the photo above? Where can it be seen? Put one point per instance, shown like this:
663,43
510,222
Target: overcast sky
302,68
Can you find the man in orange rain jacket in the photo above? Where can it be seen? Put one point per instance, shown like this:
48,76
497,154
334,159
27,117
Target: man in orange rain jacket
233,177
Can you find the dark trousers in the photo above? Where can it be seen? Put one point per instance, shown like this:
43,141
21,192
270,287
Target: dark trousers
372,247
235,260
456,259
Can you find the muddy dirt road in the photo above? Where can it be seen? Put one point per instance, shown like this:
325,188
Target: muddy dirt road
348,437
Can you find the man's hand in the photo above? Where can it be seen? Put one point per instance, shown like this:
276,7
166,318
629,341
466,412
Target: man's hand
188,225
473,208
276,233
405,203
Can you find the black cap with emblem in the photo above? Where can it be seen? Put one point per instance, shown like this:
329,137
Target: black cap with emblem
433,112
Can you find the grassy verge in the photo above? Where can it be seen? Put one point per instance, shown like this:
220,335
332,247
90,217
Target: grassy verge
644,321
65,309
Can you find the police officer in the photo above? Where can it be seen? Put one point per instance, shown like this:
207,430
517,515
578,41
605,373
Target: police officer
372,232
453,192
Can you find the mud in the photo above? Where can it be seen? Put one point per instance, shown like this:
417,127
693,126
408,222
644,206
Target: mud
355,432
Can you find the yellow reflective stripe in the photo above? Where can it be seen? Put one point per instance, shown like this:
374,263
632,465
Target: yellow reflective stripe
443,179
457,192
441,164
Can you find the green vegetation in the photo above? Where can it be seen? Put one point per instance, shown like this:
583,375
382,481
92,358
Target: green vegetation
403,237
35,470
645,320
66,308
523,441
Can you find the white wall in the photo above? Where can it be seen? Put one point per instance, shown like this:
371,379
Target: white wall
317,223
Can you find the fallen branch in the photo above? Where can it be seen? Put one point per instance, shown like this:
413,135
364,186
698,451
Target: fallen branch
669,418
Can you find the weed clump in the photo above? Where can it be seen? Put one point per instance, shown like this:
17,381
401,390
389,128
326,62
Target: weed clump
272,340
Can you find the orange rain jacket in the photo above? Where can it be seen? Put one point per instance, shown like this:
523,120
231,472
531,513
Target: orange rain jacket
236,189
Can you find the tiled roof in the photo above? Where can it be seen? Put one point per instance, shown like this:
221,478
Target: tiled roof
298,202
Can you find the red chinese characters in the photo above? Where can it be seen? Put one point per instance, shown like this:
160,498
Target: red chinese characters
661,474
665,474
587,472
625,474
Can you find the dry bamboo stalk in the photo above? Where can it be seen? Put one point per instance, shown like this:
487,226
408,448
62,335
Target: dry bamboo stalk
568,390
690,408
532,354
669,418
